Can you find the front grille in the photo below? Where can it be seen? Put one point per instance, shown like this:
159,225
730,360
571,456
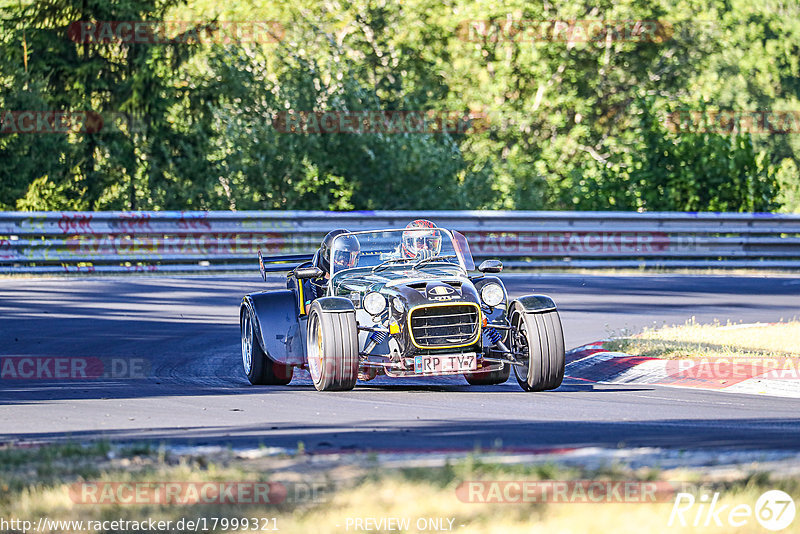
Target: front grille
447,325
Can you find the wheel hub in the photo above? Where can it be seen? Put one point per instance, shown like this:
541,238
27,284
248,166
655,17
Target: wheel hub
247,343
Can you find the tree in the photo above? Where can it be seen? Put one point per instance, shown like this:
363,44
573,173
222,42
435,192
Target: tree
66,70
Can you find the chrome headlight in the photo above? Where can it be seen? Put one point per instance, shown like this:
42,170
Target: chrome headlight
492,294
397,304
374,303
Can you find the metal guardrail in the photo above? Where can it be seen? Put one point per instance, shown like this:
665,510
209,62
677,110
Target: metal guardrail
169,241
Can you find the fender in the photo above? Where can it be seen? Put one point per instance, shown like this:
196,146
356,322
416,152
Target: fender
335,304
536,303
277,328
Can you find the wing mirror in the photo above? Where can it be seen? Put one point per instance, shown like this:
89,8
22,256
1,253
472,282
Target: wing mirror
491,266
303,273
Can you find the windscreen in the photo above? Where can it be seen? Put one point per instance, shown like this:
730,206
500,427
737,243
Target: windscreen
400,248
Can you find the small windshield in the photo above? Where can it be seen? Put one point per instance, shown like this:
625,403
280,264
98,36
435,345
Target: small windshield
386,249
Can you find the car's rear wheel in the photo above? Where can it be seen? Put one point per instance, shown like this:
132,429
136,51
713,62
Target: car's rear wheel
260,370
332,348
538,342
489,378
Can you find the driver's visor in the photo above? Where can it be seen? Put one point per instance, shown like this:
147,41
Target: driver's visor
425,242
345,258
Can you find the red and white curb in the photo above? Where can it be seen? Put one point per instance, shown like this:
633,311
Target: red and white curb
592,363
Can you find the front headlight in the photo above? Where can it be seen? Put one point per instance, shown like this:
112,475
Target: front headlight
492,295
374,303
397,304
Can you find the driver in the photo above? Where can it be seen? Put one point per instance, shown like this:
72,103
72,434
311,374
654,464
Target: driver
344,257
421,240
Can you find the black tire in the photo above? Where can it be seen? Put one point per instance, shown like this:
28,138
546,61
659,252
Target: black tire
332,348
489,378
260,370
539,334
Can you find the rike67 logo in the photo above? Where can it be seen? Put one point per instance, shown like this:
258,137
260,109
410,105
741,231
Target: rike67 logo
774,510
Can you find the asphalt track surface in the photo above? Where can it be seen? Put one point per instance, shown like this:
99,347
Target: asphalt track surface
184,331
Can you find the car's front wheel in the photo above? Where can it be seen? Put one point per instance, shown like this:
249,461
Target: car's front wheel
260,370
538,343
332,348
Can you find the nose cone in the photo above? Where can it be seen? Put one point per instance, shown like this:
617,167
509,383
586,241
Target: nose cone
440,291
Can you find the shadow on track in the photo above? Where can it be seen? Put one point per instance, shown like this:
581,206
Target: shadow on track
29,392
481,433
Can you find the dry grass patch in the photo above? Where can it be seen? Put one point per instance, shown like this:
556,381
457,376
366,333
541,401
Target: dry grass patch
419,496
694,340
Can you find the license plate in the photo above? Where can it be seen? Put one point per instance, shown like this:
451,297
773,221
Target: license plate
445,363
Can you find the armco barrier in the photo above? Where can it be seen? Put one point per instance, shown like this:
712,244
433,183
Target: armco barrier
166,241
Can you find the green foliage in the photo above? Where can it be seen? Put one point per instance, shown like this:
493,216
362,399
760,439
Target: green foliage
571,124
680,167
47,69
43,194
788,178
